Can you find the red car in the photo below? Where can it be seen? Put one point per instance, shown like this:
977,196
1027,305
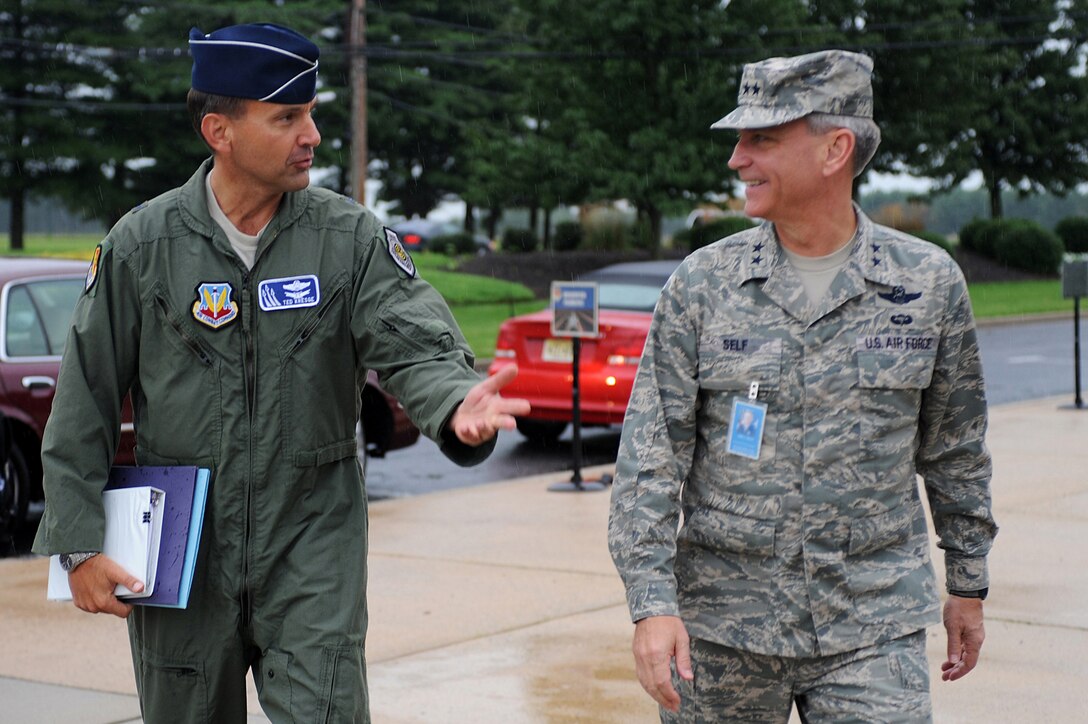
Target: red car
36,301
608,362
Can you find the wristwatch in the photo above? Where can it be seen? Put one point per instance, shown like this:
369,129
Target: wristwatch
979,594
69,561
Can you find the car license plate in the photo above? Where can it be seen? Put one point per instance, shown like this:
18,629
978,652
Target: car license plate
558,350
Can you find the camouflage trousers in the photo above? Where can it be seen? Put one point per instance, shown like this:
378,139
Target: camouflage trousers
887,682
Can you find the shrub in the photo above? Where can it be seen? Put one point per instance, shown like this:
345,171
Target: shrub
702,234
454,244
606,235
519,240
567,236
1026,245
605,230
933,237
1073,231
979,235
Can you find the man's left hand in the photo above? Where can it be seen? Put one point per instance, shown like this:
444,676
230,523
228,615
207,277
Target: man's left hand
963,622
484,411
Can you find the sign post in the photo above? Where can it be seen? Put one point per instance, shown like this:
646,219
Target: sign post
575,315
1075,285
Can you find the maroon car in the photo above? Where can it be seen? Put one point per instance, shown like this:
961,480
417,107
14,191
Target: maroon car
36,301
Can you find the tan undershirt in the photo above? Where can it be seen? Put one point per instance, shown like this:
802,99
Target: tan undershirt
817,272
244,245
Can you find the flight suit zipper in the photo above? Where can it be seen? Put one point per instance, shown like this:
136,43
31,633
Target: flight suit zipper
249,365
191,342
311,326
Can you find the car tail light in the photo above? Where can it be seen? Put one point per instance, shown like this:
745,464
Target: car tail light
504,345
626,349
413,239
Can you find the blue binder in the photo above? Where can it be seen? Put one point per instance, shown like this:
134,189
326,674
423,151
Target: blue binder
186,491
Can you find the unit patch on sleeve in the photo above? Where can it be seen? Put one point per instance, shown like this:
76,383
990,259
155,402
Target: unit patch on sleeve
400,255
213,305
289,293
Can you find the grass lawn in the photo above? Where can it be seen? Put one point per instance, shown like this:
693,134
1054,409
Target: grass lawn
480,304
1004,299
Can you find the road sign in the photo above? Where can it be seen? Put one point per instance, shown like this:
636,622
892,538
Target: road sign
574,309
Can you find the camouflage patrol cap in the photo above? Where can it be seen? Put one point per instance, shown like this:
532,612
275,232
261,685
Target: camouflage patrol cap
779,90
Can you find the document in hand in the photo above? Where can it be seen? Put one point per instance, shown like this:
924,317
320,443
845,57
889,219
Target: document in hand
134,519
186,490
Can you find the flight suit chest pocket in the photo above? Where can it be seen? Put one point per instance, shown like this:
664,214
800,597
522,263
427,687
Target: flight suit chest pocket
318,380
179,393
891,380
730,368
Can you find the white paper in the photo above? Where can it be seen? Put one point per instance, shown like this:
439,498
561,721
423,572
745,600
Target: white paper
133,532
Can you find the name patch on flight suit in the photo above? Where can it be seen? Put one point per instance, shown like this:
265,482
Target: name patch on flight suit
400,255
289,293
213,306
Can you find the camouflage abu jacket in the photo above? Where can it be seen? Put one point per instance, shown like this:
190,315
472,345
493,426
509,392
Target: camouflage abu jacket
819,545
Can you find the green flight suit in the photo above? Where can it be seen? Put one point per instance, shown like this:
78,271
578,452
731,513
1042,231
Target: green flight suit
229,371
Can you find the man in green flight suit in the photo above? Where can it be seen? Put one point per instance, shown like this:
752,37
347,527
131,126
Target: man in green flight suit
789,565
241,312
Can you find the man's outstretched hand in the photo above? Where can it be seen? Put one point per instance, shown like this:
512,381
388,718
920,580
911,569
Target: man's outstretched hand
484,411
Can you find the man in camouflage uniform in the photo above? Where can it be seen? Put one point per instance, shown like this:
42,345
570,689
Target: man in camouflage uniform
800,573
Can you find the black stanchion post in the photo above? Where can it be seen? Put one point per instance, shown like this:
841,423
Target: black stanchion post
1075,286
576,402
1077,400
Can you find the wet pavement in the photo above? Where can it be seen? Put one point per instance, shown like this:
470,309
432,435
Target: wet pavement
499,603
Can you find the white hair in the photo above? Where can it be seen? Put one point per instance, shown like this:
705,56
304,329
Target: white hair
866,134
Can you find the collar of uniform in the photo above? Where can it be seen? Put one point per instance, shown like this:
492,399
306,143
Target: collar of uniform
761,255
871,257
193,204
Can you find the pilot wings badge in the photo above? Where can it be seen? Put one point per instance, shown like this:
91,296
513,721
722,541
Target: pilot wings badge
899,295
289,293
213,305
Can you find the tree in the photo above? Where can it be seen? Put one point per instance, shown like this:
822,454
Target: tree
48,81
435,95
94,104
995,86
631,94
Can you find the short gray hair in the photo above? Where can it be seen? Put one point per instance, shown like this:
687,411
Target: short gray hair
866,134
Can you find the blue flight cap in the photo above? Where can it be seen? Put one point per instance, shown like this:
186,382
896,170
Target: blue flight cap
261,61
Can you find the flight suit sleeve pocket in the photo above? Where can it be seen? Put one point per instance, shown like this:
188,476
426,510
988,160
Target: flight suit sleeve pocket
326,454
422,334
877,532
726,532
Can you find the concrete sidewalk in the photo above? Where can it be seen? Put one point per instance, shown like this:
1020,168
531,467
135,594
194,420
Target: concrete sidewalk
499,603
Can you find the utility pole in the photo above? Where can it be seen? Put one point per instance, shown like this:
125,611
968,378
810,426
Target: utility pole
357,45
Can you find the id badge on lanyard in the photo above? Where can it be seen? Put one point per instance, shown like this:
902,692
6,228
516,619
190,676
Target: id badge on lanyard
746,422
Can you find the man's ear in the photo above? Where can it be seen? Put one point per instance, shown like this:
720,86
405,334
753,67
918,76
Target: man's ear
840,152
217,131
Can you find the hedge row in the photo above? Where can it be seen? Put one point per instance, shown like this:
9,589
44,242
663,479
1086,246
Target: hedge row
1018,243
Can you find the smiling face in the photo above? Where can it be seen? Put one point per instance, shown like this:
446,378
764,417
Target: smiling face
271,145
781,168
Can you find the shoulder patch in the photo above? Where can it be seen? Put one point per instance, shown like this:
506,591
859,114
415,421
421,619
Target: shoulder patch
400,255
92,271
